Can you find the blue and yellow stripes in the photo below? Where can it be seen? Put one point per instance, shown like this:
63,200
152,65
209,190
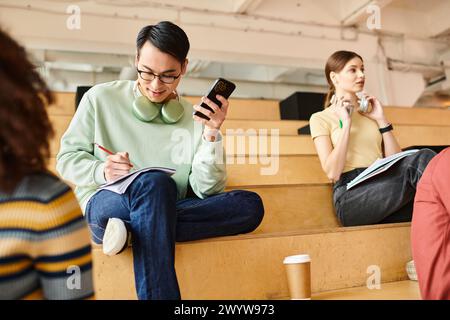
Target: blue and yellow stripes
42,234
56,266
14,267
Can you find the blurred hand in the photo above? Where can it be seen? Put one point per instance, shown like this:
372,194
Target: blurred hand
342,108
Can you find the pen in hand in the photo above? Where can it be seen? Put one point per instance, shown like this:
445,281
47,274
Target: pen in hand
104,149
115,168
109,152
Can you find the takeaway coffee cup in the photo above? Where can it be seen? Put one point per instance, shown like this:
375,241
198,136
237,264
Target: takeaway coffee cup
298,271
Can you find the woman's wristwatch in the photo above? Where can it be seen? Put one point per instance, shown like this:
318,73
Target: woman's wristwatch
386,129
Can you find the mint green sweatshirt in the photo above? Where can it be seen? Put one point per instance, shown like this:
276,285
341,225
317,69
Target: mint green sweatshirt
105,116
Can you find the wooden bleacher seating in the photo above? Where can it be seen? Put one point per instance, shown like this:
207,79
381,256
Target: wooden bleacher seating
299,216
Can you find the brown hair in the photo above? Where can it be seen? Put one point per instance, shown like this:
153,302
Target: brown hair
25,128
335,63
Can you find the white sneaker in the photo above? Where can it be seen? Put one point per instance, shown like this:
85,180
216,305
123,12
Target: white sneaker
411,270
116,237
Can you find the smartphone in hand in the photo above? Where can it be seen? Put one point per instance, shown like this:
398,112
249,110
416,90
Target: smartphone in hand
220,87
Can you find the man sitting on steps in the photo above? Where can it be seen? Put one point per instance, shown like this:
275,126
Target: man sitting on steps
155,207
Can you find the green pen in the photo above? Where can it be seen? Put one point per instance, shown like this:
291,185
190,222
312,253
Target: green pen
340,124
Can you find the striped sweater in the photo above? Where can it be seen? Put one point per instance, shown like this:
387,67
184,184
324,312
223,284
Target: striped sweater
45,247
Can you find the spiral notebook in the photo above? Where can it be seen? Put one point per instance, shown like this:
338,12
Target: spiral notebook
121,184
379,166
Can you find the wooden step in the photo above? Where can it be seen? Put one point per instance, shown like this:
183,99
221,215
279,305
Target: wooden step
297,207
247,127
251,266
250,109
411,135
300,145
426,133
259,109
239,108
64,104
286,171
418,116
288,207
269,145
245,141
304,145
397,290
292,144
235,145
61,123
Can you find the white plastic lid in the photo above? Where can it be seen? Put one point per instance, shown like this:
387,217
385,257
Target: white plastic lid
300,258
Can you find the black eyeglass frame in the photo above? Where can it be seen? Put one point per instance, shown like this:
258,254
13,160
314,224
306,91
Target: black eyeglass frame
159,76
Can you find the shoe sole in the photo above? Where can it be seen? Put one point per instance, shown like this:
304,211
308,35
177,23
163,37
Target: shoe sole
115,237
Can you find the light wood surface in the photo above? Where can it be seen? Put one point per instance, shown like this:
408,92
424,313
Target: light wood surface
290,145
249,108
258,109
277,171
251,266
299,218
407,136
64,104
290,127
288,207
291,170
297,207
397,290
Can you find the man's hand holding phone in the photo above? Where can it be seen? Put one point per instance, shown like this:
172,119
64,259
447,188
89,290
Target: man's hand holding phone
214,107
216,117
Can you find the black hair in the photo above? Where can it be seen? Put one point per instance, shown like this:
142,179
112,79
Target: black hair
167,37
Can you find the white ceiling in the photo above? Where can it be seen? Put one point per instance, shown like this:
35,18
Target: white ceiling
409,19
314,12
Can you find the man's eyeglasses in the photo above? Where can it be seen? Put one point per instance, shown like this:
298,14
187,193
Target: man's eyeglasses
149,76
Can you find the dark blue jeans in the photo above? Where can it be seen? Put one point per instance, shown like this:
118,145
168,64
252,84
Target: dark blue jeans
156,219
385,198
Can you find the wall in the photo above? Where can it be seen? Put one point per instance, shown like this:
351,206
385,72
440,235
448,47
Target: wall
216,38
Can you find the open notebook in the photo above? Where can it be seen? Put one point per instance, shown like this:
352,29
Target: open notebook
379,166
120,185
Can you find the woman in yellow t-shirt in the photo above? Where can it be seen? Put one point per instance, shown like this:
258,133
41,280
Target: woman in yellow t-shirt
349,139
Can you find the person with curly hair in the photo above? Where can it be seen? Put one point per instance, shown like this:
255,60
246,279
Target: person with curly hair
45,249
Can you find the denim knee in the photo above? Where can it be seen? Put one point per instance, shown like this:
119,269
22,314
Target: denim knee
423,157
148,180
251,206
